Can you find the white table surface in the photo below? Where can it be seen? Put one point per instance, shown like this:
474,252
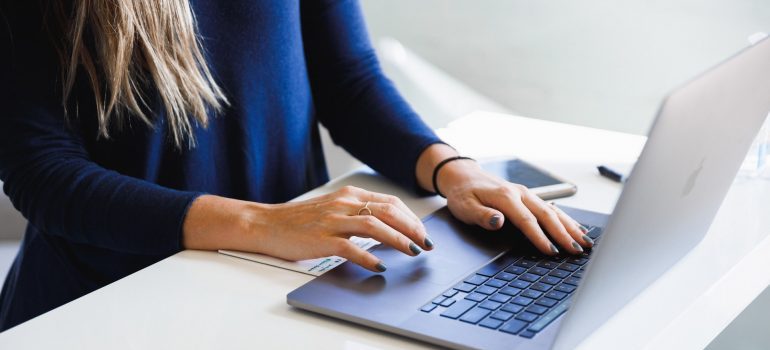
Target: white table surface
200,300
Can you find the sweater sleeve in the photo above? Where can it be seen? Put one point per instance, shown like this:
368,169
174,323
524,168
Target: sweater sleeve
354,100
46,170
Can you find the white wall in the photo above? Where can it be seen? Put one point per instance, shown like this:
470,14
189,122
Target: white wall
602,63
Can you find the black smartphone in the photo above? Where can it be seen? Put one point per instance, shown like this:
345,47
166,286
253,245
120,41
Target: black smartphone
543,183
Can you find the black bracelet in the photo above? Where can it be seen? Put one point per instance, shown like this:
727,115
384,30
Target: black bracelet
438,167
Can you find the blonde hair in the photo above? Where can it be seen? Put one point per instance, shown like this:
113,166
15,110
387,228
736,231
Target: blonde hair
128,47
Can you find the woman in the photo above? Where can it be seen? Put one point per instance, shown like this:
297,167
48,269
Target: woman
133,129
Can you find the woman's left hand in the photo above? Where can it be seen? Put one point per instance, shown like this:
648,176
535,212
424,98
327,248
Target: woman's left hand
475,196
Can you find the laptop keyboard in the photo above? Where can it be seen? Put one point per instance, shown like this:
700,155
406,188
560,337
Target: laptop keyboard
515,294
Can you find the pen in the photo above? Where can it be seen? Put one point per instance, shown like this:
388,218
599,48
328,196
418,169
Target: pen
610,174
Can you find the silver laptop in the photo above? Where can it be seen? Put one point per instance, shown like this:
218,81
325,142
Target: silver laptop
485,290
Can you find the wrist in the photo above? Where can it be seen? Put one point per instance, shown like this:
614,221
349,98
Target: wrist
453,175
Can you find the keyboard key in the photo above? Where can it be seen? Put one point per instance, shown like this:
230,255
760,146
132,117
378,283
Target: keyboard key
490,305
501,315
491,323
496,283
513,327
551,279
593,232
566,288
529,293
428,307
448,302
527,334
572,280
510,291
476,280
450,293
500,298
559,273
475,297
537,309
554,294
516,270
523,301
505,276
529,277
475,315
548,264
465,287
487,290
569,267
439,299
539,270
459,308
525,263
577,261
519,284
526,316
496,266
578,274
547,302
549,317
512,308
542,287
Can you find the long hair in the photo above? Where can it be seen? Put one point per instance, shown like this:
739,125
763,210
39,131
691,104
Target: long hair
125,48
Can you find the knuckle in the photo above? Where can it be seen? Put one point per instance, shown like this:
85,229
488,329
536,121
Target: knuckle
389,210
527,218
510,192
347,189
369,223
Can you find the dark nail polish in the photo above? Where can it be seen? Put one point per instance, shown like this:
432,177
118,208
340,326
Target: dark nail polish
584,229
577,246
428,242
494,220
588,240
381,267
414,248
554,250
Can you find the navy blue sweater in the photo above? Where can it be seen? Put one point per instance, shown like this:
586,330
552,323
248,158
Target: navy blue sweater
100,209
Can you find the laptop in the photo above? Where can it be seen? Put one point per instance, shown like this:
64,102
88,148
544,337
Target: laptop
492,290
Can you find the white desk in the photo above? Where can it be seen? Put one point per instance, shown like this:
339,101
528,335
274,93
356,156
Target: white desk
201,300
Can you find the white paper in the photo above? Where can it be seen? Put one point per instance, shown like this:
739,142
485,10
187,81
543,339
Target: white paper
313,267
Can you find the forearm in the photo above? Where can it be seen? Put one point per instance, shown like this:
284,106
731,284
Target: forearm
214,222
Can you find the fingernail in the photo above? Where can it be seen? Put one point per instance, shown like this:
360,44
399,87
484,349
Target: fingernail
428,242
584,229
577,246
494,220
414,248
554,250
381,267
588,240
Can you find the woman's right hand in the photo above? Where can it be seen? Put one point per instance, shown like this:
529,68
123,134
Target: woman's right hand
314,228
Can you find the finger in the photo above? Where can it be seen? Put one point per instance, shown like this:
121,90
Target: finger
511,205
371,227
396,218
398,203
547,218
344,248
386,198
575,229
470,210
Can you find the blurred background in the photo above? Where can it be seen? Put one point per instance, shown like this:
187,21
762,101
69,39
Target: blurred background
598,63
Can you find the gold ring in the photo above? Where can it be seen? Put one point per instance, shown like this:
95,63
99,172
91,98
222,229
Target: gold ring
366,209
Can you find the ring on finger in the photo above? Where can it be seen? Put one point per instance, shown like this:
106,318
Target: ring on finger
365,209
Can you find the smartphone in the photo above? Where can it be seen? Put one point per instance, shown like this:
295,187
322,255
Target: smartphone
542,183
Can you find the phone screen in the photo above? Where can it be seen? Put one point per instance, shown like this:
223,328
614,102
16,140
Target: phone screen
520,172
